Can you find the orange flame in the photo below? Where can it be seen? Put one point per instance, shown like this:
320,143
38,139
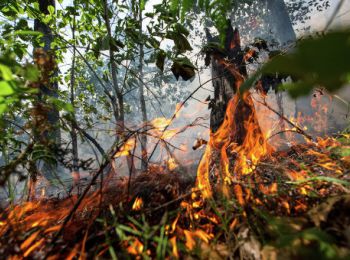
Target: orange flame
174,246
136,247
172,165
247,154
138,203
126,148
191,235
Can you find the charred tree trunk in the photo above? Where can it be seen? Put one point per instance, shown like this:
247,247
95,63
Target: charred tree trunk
227,76
48,88
235,137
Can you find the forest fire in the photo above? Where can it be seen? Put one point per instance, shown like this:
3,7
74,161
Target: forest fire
238,163
94,164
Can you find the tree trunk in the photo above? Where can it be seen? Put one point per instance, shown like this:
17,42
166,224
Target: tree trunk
73,132
119,106
144,157
46,131
225,82
235,132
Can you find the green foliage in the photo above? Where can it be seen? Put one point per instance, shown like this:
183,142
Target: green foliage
13,82
321,179
61,105
161,55
286,234
184,68
315,62
181,43
216,11
343,150
151,236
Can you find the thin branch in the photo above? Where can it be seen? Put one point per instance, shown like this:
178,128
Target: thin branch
19,126
90,138
283,131
179,108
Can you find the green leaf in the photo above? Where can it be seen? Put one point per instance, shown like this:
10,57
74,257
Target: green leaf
247,84
186,6
181,29
315,62
31,73
5,88
161,55
184,68
297,89
321,178
28,32
181,43
104,43
21,24
154,42
142,5
3,108
6,73
51,9
61,105
19,51
114,44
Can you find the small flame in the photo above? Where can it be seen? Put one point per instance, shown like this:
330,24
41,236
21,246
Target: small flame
177,109
172,165
160,123
138,203
173,225
136,247
174,246
191,235
29,240
126,148
33,247
43,192
190,242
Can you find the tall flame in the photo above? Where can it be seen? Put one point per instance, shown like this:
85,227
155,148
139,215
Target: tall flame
238,137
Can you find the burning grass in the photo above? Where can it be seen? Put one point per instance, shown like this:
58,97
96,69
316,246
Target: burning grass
294,203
